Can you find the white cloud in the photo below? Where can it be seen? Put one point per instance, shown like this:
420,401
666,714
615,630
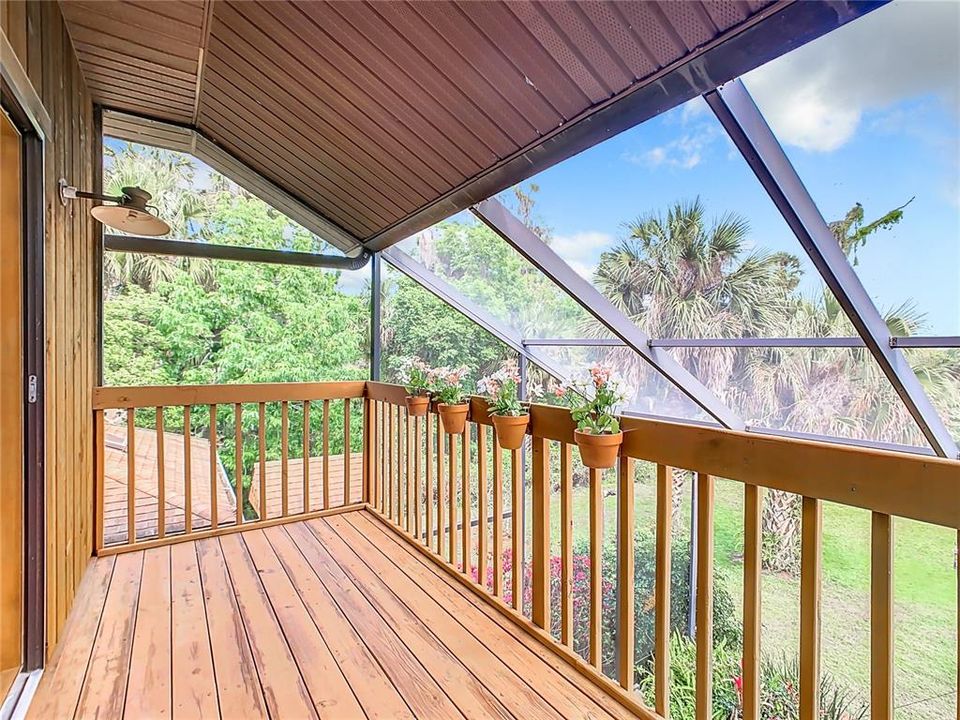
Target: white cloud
685,153
581,250
815,97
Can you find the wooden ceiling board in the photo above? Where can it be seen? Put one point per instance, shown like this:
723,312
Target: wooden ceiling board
383,116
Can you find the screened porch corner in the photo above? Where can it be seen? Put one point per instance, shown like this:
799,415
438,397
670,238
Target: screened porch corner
392,592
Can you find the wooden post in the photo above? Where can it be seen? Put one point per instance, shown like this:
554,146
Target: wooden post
161,478
752,553
704,635
214,470
810,571
482,505
625,572
661,642
306,456
516,510
262,452
187,474
284,459
541,532
881,618
566,544
131,477
326,452
238,459
596,568
100,447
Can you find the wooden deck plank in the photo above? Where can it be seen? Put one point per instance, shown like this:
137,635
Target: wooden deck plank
376,694
463,688
105,686
283,687
327,686
238,685
553,677
149,683
57,696
330,618
194,682
422,693
507,686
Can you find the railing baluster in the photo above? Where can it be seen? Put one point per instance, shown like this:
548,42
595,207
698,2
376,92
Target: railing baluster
428,464
662,590
390,478
625,573
516,538
101,448
408,521
366,452
566,544
401,413
381,449
326,453
441,537
482,505
541,532
306,456
752,539
704,634
881,618
214,469
497,546
238,458
416,478
596,569
284,459
810,571
131,477
161,479
465,500
262,452
187,474
452,496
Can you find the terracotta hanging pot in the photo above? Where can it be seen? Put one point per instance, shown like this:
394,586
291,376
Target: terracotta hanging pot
454,417
417,405
599,451
510,429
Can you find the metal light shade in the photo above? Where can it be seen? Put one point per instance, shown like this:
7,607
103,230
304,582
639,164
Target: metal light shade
131,214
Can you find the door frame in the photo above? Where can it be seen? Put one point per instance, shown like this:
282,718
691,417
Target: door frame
34,620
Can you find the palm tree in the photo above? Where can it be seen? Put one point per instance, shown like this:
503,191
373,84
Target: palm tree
171,178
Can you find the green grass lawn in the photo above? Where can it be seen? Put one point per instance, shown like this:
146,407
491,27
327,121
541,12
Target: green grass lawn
925,593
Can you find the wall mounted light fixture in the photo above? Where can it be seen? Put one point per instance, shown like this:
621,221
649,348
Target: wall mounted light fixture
130,214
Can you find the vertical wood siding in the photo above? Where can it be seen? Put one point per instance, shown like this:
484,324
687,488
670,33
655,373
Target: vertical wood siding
37,33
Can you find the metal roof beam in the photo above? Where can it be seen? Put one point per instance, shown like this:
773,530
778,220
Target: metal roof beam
492,213
456,299
744,123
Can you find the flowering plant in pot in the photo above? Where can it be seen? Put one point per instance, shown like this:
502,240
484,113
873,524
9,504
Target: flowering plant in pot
593,403
510,416
452,401
417,383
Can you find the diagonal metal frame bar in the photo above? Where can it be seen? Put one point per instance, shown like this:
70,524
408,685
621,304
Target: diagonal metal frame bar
747,128
458,301
499,219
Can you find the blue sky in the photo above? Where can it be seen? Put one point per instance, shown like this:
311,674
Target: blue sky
867,114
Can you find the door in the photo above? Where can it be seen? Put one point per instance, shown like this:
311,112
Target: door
12,402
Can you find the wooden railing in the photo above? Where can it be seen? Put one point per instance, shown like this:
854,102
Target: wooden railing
153,486
420,483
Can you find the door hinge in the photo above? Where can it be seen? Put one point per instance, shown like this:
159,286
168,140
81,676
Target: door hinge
32,389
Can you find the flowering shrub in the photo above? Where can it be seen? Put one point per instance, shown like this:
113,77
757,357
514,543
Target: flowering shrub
447,384
416,374
594,400
502,387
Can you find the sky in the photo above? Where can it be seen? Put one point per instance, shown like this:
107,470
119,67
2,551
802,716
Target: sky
868,113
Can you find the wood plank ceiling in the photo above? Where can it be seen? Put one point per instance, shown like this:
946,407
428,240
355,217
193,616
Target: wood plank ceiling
369,112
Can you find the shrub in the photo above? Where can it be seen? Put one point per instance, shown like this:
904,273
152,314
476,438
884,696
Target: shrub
779,680
726,627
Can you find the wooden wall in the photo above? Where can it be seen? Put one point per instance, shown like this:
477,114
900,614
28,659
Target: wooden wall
38,36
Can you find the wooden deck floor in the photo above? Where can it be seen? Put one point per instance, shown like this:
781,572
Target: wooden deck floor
333,618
